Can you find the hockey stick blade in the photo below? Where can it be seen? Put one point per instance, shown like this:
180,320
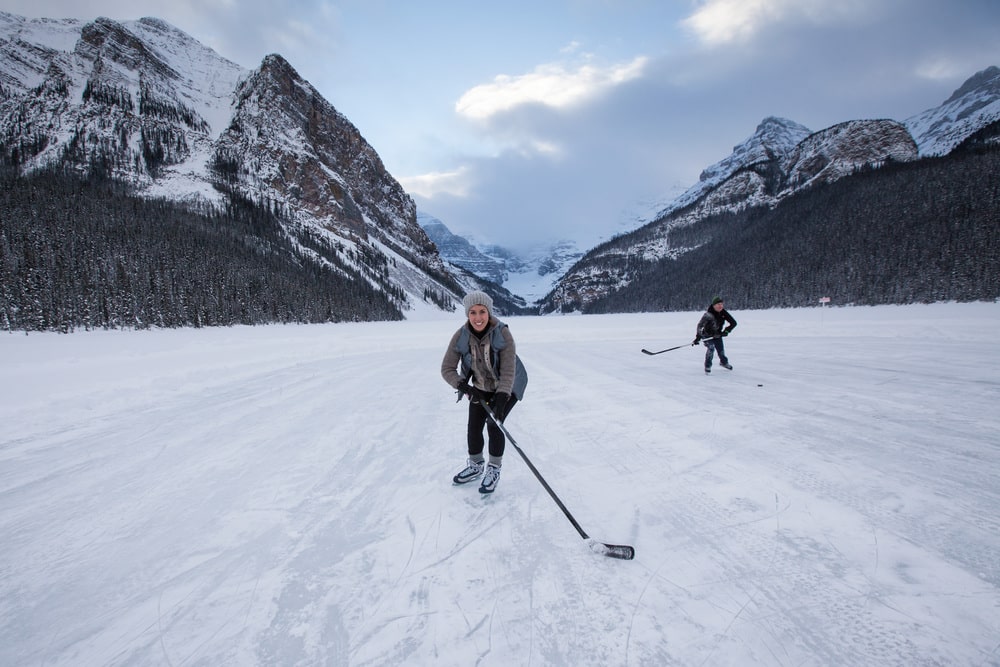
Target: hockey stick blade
619,551
669,349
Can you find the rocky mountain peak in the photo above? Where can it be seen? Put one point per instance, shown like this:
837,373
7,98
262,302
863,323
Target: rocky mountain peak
773,139
105,41
304,152
974,105
149,105
837,151
780,159
986,82
460,252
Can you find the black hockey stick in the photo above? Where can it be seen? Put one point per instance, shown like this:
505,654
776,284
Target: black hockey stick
645,351
620,551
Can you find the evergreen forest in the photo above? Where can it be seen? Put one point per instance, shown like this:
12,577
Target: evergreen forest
915,232
85,253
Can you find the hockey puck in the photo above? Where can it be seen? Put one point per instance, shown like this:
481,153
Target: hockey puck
760,385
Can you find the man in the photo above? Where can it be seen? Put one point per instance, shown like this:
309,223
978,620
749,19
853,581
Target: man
712,329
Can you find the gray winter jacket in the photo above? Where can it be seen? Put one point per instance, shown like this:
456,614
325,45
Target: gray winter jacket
490,360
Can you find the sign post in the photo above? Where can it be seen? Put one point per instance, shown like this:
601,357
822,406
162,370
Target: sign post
823,300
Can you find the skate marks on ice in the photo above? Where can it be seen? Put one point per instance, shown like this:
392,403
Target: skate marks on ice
801,559
260,502
753,577
808,566
479,583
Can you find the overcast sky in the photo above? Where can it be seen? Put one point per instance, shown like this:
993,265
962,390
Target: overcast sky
529,120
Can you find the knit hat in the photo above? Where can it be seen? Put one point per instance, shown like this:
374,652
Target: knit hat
716,300
477,299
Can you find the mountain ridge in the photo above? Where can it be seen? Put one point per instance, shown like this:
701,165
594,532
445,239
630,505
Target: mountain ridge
144,103
529,275
767,168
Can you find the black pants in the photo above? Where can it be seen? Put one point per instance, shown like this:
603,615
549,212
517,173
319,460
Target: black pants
478,419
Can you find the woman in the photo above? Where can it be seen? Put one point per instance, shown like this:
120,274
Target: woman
481,363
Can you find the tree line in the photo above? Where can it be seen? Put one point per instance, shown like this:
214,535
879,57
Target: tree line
84,252
915,232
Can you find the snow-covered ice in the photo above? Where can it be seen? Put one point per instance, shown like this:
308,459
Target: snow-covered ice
282,495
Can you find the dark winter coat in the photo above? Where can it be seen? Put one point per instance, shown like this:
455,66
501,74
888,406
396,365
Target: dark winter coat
712,324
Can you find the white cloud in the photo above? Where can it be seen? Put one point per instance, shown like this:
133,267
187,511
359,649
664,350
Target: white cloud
718,22
943,69
721,21
540,146
553,85
454,183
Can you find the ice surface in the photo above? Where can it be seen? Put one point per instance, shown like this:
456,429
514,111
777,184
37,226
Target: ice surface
282,495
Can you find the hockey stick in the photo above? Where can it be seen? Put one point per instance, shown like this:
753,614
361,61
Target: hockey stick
645,351
619,551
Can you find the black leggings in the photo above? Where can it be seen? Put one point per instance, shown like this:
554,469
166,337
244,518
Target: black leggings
477,419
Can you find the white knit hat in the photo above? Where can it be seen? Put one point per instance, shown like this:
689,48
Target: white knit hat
477,298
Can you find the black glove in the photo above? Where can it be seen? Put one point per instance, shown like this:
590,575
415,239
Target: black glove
697,340
726,332
469,391
499,404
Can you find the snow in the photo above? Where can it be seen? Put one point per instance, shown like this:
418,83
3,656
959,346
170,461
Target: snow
532,287
975,105
208,80
55,34
26,68
773,137
281,495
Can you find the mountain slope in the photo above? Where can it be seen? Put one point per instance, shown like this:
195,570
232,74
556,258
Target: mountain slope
974,105
913,232
143,103
459,251
530,275
781,160
773,139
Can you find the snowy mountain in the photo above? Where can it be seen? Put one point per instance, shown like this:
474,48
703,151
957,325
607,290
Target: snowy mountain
972,107
459,251
780,159
145,104
532,274
773,139
472,269
838,151
529,275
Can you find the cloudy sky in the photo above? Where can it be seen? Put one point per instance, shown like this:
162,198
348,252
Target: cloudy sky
530,120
